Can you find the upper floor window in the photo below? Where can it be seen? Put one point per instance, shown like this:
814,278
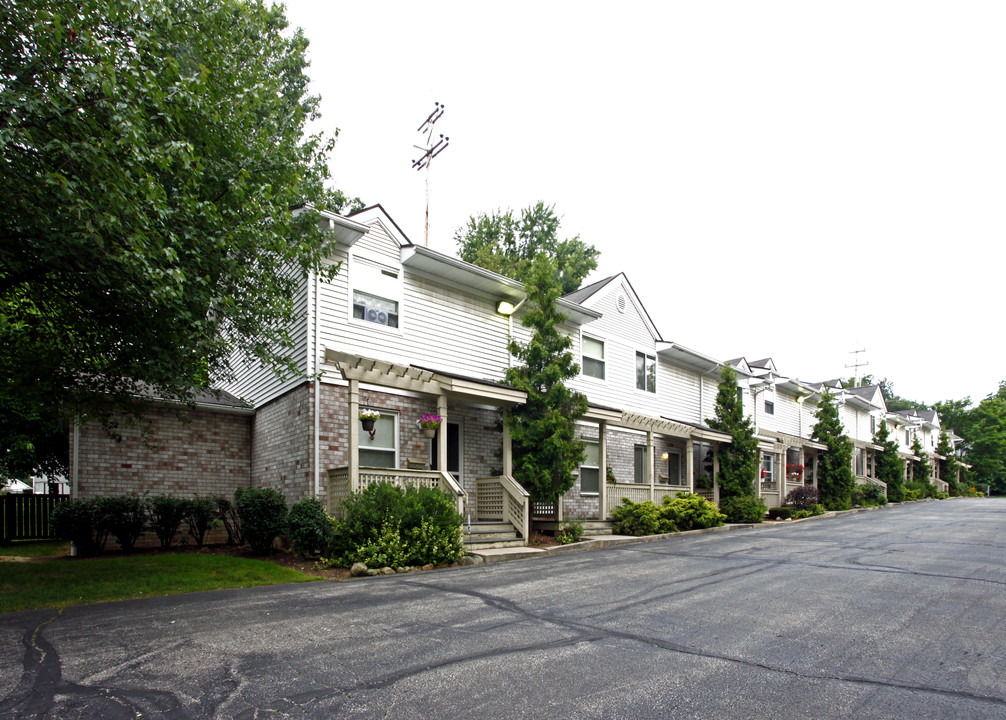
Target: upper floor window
873,424
377,292
646,372
769,407
593,357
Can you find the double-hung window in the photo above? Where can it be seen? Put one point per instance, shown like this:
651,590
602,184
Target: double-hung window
767,468
590,473
646,372
376,293
380,450
592,364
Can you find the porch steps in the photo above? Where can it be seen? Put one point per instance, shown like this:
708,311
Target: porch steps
490,535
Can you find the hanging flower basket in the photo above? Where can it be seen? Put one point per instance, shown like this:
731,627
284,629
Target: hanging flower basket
367,420
428,424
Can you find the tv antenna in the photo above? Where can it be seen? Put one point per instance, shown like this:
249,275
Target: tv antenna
857,364
434,146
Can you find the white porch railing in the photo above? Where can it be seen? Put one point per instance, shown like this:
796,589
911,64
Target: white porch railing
874,481
638,492
502,498
340,484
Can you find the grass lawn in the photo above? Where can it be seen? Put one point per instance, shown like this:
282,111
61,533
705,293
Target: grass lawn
57,583
35,548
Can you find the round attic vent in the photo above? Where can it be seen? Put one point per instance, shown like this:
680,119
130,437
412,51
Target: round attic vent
620,303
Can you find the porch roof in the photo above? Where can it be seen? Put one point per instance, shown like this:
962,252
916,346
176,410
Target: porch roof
424,380
794,440
660,425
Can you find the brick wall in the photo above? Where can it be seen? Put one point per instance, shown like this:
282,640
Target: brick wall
281,444
170,452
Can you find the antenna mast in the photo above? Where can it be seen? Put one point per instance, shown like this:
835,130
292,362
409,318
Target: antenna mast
430,151
857,364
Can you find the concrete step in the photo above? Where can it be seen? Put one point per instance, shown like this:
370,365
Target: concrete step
473,544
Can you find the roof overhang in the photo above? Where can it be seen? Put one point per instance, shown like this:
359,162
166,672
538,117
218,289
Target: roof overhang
345,231
793,440
685,357
422,380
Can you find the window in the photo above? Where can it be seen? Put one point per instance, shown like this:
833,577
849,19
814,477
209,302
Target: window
873,425
593,357
376,293
375,309
702,465
859,461
590,475
908,437
646,372
767,468
769,407
639,463
380,451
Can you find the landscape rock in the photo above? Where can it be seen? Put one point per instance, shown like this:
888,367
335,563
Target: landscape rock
387,571
358,570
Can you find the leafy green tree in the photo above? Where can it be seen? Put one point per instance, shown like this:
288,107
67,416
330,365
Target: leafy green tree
834,471
922,469
890,468
508,245
895,402
987,441
948,466
151,152
955,414
546,451
738,460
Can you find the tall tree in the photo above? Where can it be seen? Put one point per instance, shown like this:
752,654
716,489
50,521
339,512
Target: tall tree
894,401
738,460
546,451
948,465
987,441
509,245
834,477
151,153
890,468
922,469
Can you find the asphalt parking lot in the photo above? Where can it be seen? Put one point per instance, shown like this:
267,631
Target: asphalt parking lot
889,614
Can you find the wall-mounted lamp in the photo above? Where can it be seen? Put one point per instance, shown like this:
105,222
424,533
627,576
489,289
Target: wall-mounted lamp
505,308
664,456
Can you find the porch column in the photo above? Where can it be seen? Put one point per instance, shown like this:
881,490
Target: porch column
649,464
602,470
442,434
716,474
780,474
507,451
354,435
817,456
690,464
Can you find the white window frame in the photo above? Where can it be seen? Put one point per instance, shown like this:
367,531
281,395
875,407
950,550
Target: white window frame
769,476
646,357
584,356
381,282
395,441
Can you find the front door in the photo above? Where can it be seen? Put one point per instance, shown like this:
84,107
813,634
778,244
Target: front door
453,451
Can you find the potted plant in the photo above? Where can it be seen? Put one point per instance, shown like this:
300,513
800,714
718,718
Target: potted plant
428,424
367,419
610,475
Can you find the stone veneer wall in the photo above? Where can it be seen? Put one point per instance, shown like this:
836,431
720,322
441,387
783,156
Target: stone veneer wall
183,453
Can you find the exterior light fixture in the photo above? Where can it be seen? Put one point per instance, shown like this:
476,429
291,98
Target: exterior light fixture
664,457
505,308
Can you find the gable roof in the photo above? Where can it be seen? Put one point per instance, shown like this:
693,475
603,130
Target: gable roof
589,295
379,212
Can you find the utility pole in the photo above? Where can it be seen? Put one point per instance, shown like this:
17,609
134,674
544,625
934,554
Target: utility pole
856,364
430,151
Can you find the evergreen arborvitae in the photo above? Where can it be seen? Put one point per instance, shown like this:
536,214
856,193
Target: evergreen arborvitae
948,466
890,467
546,451
739,459
922,469
834,471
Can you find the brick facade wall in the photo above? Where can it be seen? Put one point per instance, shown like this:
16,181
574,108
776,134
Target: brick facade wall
171,452
281,444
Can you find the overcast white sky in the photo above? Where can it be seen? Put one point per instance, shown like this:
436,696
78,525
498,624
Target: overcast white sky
788,179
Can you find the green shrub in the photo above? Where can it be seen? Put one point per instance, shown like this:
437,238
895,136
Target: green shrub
802,498
570,531
125,516
868,495
780,513
743,509
262,516
199,513
228,515
817,509
165,514
921,489
631,518
838,503
688,511
310,528
382,518
78,522
942,495
912,493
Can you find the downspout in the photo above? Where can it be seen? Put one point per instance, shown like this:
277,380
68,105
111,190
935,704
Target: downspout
76,457
317,393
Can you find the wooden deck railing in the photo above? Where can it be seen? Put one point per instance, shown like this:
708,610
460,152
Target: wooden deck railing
638,492
502,498
340,484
